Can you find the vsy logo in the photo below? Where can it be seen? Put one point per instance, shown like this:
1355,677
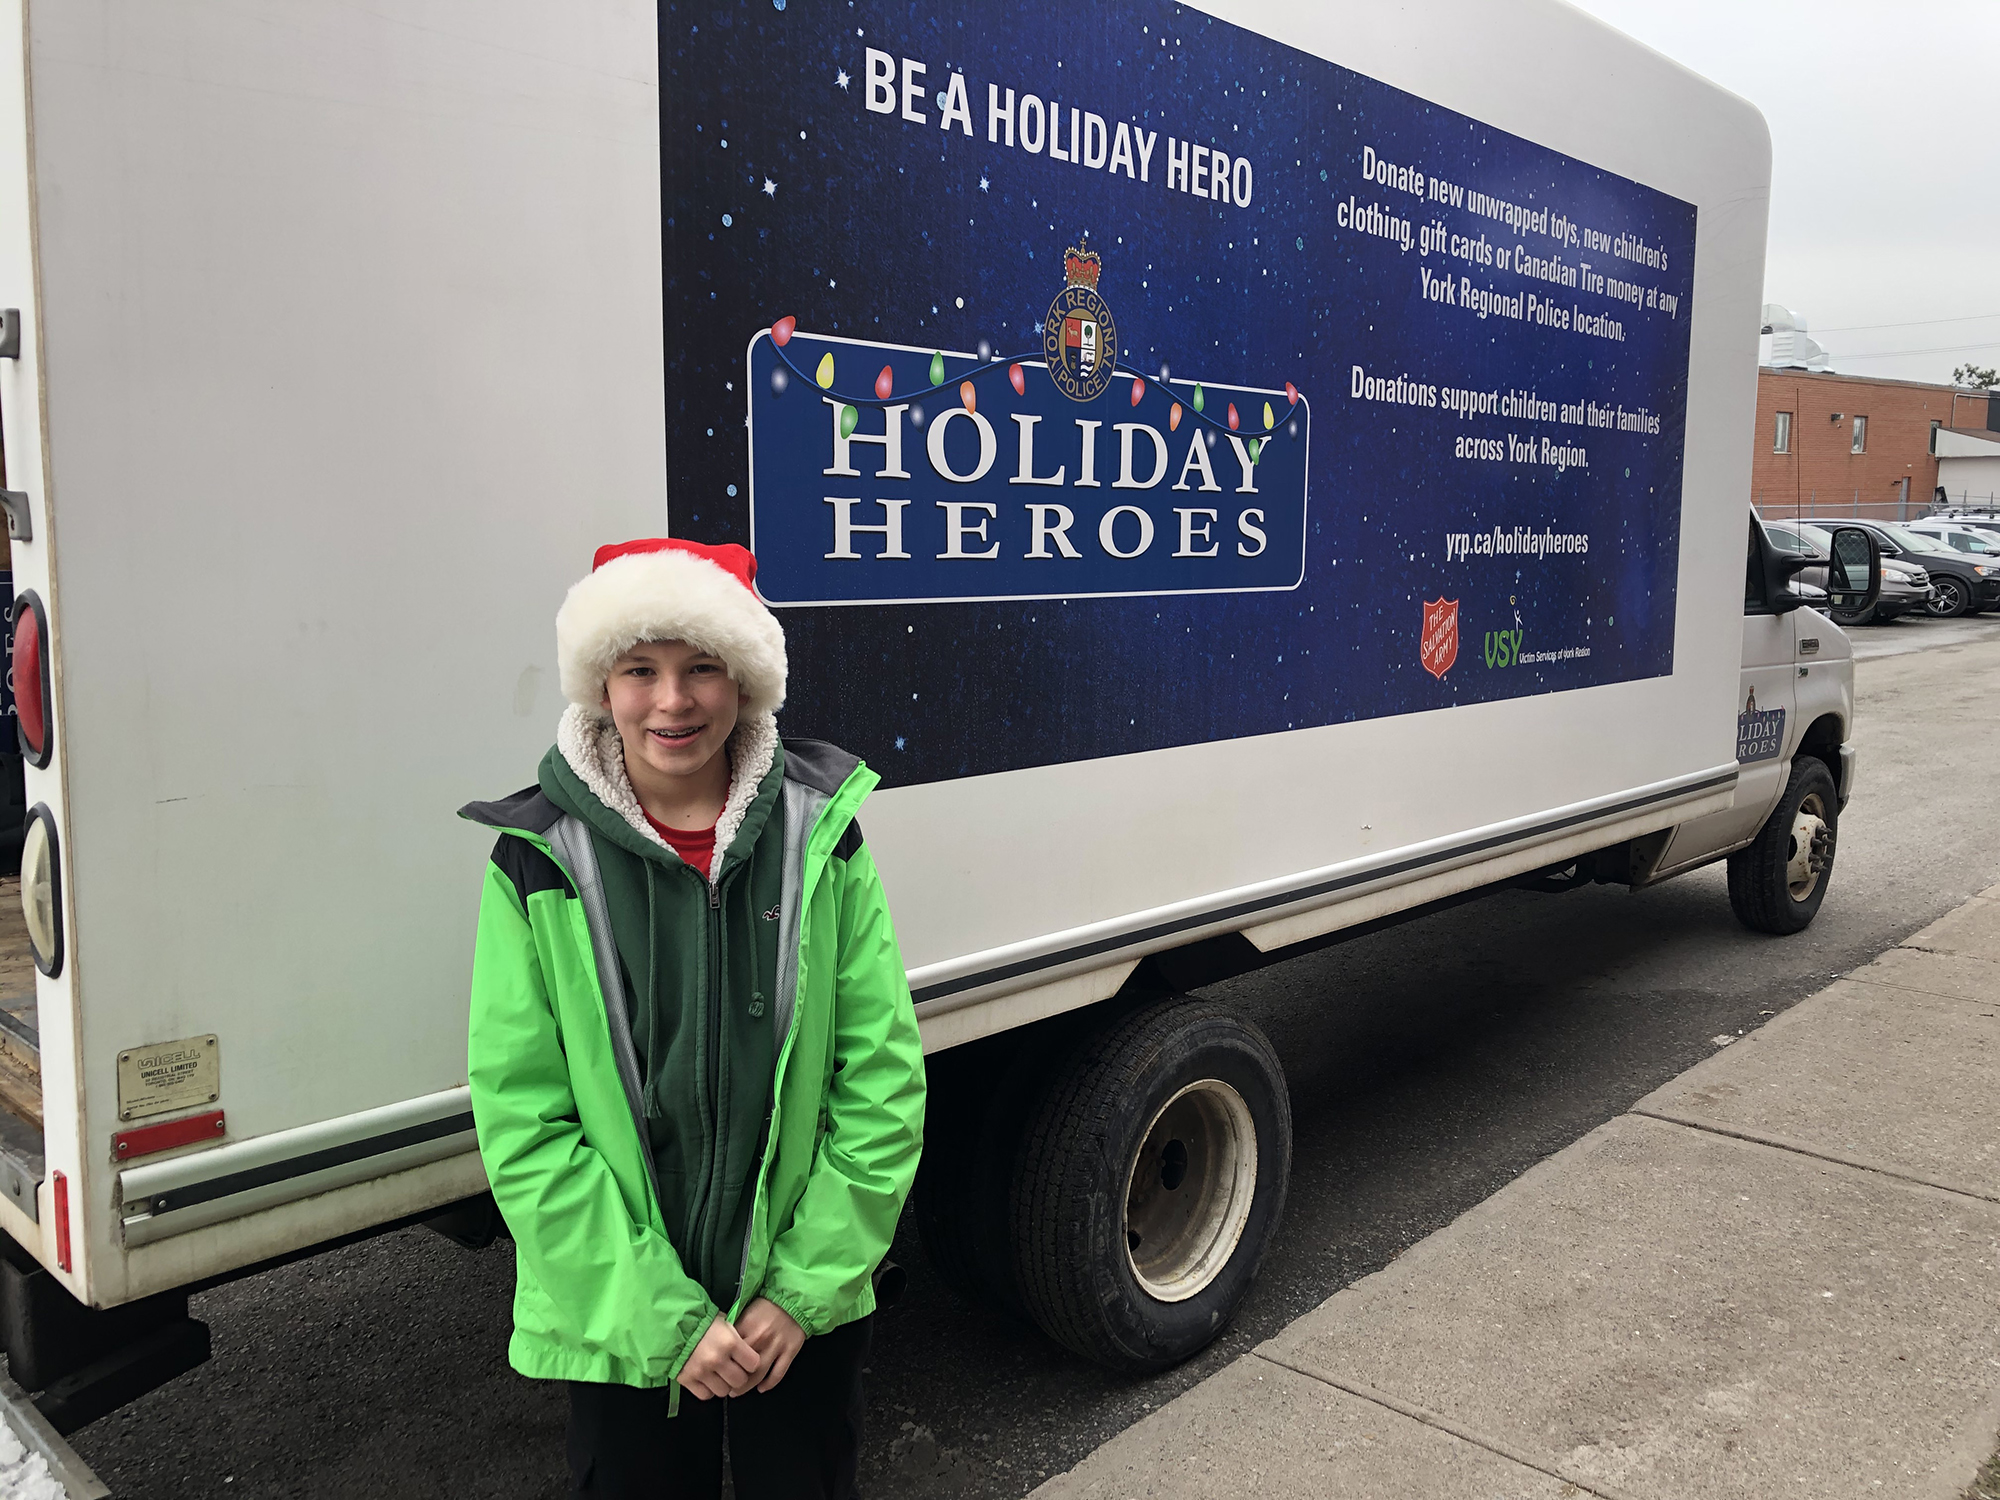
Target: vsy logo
1503,647
1079,337
1437,648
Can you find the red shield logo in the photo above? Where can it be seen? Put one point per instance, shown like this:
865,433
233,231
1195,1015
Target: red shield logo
1080,334
1437,649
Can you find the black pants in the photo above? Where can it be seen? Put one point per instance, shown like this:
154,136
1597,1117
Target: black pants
798,1442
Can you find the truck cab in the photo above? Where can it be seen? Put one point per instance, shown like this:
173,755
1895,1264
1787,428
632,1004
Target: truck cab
1795,763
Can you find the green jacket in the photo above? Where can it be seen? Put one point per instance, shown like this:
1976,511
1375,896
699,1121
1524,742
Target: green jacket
699,962
603,1291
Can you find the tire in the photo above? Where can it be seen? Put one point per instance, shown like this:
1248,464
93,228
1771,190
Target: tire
1950,597
1150,1182
1778,880
1849,618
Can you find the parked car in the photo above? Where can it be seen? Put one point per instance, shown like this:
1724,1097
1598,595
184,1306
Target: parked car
1984,522
1961,583
1905,586
1960,536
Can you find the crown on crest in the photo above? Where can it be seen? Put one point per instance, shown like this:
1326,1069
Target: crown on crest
1081,265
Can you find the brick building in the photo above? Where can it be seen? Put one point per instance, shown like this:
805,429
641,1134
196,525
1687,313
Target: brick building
1844,445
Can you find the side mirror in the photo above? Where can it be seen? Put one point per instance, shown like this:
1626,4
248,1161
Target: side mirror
1779,570
1854,576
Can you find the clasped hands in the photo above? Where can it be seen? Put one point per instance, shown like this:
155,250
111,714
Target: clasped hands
755,1353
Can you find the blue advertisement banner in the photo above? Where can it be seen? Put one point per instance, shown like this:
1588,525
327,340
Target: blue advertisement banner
1075,499
1090,381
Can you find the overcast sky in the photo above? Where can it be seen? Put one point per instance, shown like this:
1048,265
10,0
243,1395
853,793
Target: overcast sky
1885,139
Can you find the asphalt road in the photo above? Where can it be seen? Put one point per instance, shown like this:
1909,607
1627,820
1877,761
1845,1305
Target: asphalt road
1429,1065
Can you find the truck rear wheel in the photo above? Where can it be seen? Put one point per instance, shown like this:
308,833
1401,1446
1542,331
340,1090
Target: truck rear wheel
1149,1183
1777,881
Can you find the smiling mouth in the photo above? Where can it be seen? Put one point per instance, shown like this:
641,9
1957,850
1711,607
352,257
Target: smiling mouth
676,736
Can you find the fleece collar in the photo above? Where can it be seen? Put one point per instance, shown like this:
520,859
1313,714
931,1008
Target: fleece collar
589,745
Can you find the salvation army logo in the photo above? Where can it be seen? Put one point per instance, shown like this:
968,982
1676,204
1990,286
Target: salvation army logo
1079,336
1437,647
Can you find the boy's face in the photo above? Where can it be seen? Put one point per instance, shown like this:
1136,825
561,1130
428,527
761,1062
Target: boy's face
674,707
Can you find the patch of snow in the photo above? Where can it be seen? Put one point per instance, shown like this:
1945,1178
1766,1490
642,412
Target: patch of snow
25,1475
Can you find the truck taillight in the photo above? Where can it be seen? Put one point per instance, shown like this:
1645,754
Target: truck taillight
41,890
30,671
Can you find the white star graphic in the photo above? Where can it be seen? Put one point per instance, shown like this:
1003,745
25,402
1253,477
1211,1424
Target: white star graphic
982,184
770,188
840,78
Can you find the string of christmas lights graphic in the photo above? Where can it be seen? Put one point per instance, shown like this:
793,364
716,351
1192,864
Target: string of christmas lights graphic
942,381
1083,265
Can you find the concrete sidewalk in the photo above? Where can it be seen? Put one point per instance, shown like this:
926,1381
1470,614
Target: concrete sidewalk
1777,1275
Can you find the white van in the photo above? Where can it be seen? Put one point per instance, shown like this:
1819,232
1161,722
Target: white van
1961,536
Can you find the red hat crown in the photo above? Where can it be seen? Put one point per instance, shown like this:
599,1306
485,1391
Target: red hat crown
732,559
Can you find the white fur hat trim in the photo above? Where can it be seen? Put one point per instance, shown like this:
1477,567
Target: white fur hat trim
667,596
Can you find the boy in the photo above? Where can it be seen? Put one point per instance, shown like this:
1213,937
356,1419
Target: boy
694,1064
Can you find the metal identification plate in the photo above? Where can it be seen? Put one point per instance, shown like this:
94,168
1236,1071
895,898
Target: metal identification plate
168,1075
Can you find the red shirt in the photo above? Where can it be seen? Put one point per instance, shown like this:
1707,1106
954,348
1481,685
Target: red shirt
694,845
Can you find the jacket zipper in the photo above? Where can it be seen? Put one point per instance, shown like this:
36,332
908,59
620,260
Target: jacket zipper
701,1229
719,1150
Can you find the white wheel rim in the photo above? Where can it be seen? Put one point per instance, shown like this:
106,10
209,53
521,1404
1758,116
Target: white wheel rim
1808,852
1189,1190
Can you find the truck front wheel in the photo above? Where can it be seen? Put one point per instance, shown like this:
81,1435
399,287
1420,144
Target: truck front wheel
1149,1183
1778,880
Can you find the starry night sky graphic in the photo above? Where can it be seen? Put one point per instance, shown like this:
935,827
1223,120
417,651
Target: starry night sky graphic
783,195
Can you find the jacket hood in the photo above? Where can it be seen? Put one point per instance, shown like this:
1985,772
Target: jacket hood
528,810
823,767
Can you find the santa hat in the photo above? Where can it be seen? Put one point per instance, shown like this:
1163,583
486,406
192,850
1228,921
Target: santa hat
665,589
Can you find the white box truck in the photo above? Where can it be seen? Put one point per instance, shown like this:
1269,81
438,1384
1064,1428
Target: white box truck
1242,474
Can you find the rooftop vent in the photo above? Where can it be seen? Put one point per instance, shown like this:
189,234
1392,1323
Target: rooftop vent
1790,348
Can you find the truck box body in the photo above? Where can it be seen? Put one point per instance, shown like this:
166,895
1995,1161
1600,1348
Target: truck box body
347,335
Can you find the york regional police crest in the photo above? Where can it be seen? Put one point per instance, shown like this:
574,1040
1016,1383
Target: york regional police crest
1079,337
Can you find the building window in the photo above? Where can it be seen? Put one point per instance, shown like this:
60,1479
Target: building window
1781,439
1934,428
1860,436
